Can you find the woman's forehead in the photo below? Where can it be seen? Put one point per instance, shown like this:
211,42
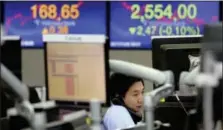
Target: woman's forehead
137,86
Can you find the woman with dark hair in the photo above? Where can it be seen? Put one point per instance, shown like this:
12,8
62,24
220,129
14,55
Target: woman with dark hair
127,102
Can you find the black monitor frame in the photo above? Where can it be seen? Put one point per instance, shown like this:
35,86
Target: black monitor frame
79,105
10,55
158,52
12,48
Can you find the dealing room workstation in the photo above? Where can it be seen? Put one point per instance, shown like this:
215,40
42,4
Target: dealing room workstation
157,69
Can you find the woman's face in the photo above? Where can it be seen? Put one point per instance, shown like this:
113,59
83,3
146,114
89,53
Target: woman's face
134,96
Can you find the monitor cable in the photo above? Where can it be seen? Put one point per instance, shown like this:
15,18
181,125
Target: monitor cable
181,104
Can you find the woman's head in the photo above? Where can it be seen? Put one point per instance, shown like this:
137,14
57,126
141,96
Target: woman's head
129,88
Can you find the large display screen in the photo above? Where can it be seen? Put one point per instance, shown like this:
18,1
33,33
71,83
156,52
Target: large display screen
133,23
32,19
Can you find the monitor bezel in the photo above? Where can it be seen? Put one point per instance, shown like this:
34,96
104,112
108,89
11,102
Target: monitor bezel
73,104
8,41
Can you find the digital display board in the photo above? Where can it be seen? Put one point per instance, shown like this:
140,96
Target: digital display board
134,22
32,19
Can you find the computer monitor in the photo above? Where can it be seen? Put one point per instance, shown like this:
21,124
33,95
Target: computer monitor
173,52
76,68
11,54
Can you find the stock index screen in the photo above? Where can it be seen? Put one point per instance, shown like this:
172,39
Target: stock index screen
134,22
32,19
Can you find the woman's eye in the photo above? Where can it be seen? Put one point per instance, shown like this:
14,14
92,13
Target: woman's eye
135,95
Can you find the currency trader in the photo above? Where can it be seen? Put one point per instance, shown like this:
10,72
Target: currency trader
127,102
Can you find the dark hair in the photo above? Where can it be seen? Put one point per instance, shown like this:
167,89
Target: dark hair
119,84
